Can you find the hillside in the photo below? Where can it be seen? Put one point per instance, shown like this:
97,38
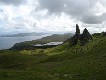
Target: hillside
64,62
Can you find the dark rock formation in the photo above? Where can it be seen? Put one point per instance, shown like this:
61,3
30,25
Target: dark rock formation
77,30
82,38
75,38
77,33
85,37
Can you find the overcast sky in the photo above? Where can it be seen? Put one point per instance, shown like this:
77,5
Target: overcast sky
17,16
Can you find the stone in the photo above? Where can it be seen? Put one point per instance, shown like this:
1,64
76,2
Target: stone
77,30
85,37
81,38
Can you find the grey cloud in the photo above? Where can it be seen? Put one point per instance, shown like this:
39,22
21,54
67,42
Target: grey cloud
52,5
92,19
14,2
103,16
80,10
1,10
68,6
103,2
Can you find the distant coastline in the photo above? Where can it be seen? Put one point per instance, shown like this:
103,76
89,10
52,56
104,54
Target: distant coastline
8,42
24,34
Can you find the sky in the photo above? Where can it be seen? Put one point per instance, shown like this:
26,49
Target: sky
19,16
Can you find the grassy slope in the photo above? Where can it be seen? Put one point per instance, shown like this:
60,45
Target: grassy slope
60,63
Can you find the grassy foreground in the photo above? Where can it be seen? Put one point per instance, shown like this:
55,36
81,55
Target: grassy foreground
64,62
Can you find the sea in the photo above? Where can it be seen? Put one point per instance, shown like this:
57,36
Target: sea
8,42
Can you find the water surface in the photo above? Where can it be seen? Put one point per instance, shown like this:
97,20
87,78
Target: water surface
8,42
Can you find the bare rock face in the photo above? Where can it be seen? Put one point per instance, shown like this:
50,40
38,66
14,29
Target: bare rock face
81,38
75,38
77,30
85,37
86,34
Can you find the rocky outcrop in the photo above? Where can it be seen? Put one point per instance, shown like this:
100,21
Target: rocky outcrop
77,33
75,38
86,34
81,38
77,30
85,37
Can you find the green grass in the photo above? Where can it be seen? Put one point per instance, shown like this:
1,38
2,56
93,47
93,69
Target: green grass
60,63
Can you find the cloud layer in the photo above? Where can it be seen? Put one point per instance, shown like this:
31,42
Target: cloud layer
52,15
84,10
14,2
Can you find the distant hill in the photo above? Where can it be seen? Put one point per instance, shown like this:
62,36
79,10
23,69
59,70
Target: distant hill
24,34
44,40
